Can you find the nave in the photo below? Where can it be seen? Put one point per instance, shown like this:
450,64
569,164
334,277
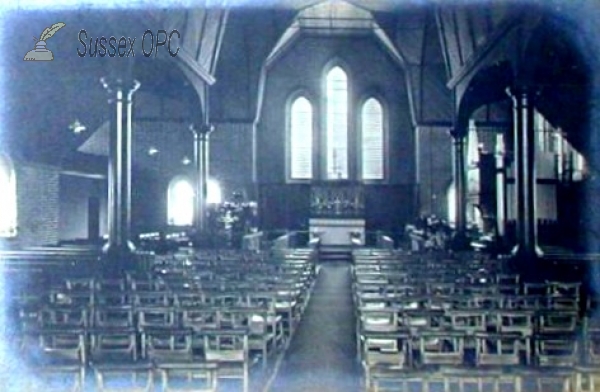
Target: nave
238,216
321,355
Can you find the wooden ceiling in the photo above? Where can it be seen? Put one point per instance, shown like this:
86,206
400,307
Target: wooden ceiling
440,46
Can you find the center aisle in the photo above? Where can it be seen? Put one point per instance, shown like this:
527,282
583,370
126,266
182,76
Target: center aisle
322,353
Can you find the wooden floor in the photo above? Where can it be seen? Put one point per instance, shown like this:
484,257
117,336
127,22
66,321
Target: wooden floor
322,353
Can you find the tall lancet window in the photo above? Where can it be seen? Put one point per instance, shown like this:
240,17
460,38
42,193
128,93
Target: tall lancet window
8,198
301,139
337,124
372,140
180,207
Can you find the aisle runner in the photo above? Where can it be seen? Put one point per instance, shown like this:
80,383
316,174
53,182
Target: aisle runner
321,355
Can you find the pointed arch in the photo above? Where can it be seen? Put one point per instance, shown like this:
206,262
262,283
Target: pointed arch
372,140
301,117
336,108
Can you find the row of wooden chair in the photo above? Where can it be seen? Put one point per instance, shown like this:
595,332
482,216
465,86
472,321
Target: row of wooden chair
166,352
457,379
415,312
175,321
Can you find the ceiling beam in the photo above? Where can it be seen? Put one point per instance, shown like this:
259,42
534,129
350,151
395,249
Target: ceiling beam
479,57
75,173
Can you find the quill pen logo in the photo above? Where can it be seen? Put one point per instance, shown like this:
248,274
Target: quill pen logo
40,53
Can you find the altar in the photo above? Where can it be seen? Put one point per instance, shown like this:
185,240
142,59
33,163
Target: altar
337,214
336,231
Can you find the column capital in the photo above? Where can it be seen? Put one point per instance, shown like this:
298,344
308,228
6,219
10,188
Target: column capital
457,135
113,85
202,130
524,90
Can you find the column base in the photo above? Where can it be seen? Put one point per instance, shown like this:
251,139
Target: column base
203,240
460,242
529,253
526,261
117,259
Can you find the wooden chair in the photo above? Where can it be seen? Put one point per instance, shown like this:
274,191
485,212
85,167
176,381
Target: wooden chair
586,379
56,352
406,380
197,376
104,298
441,347
156,317
545,380
161,344
77,296
556,350
383,353
494,349
520,322
592,347
468,321
557,321
375,320
124,377
480,380
265,332
229,350
63,378
65,314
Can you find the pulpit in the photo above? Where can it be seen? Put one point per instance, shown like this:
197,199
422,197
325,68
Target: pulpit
337,214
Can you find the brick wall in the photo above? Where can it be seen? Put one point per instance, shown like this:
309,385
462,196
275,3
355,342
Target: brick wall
37,204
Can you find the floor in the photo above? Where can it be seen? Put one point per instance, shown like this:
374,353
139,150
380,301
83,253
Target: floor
322,353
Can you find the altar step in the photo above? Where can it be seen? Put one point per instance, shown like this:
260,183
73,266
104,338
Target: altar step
332,253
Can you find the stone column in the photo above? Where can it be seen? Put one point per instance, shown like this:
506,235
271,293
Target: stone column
501,159
460,184
525,173
201,162
120,93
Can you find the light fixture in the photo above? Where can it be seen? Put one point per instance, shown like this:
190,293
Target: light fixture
152,151
186,161
77,127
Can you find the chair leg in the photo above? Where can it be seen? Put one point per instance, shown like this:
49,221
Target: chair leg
246,377
264,357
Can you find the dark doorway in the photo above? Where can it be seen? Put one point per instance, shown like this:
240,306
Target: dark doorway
93,219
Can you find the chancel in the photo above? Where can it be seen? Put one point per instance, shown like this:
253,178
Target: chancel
302,195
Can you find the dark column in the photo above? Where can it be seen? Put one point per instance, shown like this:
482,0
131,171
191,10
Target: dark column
119,247
460,183
201,161
525,175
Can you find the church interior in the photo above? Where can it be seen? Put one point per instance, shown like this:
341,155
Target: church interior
301,195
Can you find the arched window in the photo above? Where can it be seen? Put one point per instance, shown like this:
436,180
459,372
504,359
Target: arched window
451,200
213,190
337,124
301,135
372,145
8,198
180,209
